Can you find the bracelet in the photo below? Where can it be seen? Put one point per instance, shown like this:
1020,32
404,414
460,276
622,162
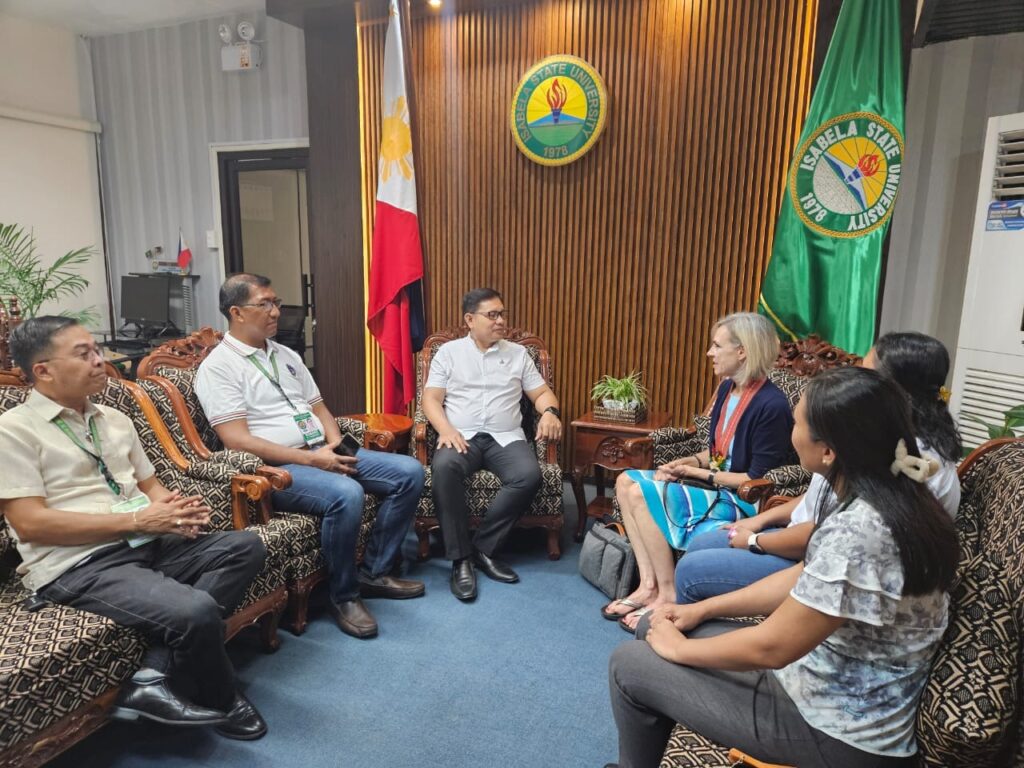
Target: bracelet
135,522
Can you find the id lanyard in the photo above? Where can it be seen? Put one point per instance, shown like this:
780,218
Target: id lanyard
275,379
98,455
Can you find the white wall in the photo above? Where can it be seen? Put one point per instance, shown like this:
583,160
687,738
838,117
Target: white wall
49,181
163,99
954,88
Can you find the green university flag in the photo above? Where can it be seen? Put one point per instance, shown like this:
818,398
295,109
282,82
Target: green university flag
842,184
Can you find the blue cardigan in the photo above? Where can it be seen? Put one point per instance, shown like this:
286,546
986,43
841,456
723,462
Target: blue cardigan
763,437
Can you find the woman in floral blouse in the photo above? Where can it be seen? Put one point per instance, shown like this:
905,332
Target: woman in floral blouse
832,677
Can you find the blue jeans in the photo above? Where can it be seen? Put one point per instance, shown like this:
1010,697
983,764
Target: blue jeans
338,499
711,567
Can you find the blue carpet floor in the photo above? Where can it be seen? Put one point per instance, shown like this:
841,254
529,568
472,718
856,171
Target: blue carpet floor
516,679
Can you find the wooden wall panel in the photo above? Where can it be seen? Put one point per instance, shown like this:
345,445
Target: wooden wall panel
623,259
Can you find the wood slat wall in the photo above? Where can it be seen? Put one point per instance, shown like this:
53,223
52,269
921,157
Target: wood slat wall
623,259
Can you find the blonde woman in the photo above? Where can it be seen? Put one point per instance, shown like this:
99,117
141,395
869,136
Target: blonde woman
751,422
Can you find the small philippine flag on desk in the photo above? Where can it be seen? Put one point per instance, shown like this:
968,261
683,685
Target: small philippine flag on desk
184,252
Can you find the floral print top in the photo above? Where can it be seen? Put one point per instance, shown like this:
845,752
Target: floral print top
861,685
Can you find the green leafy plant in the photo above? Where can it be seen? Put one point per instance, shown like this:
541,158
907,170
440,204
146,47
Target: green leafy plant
23,275
625,390
1013,420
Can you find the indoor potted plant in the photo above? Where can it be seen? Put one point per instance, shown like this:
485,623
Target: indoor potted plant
622,399
23,274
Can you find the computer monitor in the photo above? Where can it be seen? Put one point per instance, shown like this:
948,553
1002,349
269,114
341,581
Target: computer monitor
146,301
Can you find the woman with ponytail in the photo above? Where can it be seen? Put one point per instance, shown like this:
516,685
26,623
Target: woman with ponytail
832,677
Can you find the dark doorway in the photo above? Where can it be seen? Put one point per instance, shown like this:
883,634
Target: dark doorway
265,227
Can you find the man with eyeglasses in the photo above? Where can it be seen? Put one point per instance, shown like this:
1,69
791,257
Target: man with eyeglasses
472,398
259,397
97,531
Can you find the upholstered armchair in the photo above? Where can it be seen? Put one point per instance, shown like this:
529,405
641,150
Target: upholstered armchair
73,662
167,375
547,510
970,713
798,360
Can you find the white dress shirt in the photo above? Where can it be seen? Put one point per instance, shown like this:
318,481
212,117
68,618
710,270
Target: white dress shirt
230,387
483,389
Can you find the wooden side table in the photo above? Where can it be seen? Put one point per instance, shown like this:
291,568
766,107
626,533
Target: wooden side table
605,445
398,425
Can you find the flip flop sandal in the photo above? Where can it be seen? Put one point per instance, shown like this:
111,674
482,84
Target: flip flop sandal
639,614
633,604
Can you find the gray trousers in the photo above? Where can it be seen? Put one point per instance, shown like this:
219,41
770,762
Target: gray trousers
747,710
517,468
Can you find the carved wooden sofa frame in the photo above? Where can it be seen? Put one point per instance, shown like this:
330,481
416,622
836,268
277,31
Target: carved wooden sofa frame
246,492
797,361
186,354
425,439
970,714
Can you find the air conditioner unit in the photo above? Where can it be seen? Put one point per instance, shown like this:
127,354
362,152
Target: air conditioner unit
988,377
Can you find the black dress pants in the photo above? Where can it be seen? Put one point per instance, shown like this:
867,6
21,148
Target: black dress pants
176,592
517,468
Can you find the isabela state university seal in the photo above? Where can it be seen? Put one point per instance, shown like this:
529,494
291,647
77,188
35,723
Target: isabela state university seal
844,180
558,110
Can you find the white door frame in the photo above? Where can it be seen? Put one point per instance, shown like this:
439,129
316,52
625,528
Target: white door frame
240,146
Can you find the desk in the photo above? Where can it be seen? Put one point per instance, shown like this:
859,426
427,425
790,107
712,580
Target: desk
121,359
398,425
602,445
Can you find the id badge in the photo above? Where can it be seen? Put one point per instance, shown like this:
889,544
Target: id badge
307,426
134,504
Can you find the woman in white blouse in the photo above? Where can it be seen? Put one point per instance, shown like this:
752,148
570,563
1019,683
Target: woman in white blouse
832,677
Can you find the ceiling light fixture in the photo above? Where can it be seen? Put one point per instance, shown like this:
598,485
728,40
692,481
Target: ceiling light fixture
434,3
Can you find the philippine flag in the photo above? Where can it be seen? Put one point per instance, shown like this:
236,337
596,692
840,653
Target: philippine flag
184,252
395,305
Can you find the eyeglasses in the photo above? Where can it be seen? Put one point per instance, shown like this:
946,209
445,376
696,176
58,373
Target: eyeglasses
85,355
267,305
494,314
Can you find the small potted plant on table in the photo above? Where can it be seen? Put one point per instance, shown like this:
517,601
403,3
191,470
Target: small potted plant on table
623,400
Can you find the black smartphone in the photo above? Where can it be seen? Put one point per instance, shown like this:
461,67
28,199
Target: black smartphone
348,446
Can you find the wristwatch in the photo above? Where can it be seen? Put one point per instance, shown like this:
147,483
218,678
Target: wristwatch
753,546
552,409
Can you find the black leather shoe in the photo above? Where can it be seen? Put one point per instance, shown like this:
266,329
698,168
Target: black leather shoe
244,722
496,569
353,618
390,587
463,579
155,701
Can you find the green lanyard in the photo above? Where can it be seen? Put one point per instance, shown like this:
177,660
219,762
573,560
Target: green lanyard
98,455
275,379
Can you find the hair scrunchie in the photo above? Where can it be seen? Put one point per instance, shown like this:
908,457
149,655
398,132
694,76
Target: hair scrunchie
916,468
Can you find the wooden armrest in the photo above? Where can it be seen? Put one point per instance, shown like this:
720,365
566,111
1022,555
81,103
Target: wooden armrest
278,478
774,501
740,758
419,439
551,452
640,451
378,440
246,488
753,491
